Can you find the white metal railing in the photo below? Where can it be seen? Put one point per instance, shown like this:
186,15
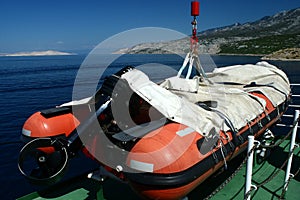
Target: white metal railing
295,84
286,125
249,168
290,116
292,106
292,146
251,148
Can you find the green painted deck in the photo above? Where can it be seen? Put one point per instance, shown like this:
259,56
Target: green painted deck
77,188
261,173
84,188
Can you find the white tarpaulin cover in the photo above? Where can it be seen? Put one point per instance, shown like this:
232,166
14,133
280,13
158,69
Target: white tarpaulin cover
176,97
172,106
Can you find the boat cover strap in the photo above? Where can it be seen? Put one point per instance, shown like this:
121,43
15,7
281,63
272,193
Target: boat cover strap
238,105
275,95
227,122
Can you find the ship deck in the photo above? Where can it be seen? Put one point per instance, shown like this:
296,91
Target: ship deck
227,184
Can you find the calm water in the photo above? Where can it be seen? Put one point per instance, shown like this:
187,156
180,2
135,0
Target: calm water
30,84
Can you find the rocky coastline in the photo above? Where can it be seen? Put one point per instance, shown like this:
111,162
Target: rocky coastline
284,54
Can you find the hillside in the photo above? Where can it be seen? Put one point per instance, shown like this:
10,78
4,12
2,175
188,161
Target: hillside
264,36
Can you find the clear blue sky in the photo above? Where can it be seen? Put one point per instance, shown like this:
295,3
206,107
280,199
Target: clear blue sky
75,25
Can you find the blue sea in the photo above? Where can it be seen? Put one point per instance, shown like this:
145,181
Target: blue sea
30,84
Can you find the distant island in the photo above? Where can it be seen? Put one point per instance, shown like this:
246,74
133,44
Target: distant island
38,53
270,34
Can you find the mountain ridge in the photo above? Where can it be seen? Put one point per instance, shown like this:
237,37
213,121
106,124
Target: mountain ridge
261,37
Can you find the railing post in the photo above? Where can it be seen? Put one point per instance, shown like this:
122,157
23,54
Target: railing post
292,146
249,167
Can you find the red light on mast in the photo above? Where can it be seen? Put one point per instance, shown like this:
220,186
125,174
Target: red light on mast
195,8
